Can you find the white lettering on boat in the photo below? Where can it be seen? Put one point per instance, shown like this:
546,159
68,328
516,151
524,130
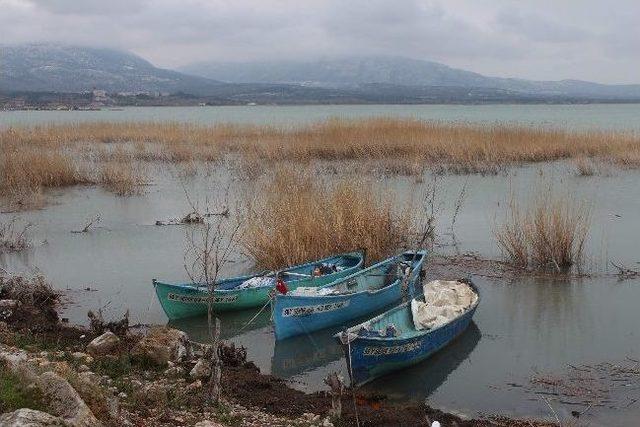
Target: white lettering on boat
396,349
313,309
189,299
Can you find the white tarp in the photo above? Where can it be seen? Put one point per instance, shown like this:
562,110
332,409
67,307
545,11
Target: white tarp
257,282
310,291
444,301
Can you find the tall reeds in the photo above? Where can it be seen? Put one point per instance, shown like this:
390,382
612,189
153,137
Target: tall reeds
550,232
48,156
296,218
122,177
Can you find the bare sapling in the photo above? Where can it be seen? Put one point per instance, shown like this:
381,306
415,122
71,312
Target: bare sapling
209,246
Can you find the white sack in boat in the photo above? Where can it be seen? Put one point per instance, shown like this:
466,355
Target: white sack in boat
310,291
257,282
444,301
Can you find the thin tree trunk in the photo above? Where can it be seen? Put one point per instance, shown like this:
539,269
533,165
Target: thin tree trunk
216,372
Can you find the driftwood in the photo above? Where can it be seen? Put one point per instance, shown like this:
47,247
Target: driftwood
88,225
625,273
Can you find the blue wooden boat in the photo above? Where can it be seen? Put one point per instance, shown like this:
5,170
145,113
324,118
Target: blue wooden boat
346,299
369,357
192,299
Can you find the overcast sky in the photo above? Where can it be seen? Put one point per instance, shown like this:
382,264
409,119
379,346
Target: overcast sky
537,39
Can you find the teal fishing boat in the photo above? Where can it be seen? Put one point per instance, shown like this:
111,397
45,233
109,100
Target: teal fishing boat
392,341
192,299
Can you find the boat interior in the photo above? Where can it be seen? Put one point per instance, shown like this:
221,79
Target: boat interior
305,271
377,276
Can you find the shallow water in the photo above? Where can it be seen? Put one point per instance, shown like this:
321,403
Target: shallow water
588,116
521,327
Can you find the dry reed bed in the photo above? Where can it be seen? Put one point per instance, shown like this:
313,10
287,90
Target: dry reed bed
38,157
297,218
378,138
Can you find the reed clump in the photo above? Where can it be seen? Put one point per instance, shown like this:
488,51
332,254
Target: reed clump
297,219
549,233
122,177
27,171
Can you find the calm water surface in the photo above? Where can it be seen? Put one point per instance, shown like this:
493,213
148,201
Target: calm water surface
528,326
590,116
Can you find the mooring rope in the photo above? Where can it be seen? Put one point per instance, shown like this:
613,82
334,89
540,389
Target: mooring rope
257,314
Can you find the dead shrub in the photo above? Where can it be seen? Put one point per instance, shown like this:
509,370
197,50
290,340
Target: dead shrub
13,238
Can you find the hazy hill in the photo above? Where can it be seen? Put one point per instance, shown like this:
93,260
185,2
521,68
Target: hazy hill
53,68
60,68
354,71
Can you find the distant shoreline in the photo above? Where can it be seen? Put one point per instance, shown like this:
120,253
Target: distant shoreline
49,101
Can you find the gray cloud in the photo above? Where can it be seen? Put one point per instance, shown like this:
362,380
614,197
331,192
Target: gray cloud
541,39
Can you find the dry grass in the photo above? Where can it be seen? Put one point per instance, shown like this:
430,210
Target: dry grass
25,173
585,167
38,157
550,232
376,138
13,238
299,219
122,177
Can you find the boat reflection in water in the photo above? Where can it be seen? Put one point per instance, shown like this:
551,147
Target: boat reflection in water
299,356
232,324
303,353
419,381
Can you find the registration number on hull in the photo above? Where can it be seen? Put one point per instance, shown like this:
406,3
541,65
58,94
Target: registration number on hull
313,309
191,299
396,349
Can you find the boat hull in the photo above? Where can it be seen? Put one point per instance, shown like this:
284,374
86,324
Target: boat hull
295,315
371,358
301,315
189,300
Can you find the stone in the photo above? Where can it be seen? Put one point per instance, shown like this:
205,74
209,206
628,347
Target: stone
174,372
103,345
207,423
65,401
82,357
202,370
194,386
8,304
30,418
327,423
153,394
163,345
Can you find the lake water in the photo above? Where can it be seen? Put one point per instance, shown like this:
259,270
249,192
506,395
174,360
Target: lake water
588,116
522,327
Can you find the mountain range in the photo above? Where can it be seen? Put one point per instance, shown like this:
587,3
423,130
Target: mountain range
367,79
60,68
392,70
